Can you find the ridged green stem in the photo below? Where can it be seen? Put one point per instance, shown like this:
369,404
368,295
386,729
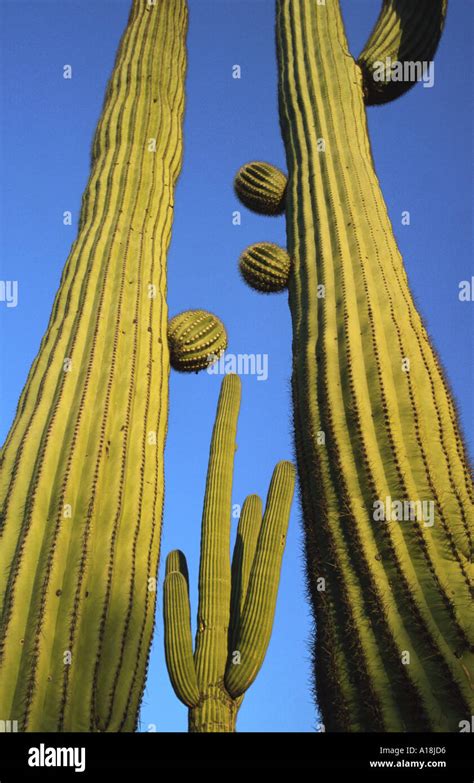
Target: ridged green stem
236,602
81,486
390,588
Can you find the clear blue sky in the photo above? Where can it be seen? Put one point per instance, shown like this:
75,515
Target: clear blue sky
422,149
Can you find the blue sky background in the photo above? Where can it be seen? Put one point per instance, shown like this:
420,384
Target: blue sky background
422,149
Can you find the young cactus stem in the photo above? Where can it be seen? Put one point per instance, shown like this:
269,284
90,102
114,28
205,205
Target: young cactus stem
236,603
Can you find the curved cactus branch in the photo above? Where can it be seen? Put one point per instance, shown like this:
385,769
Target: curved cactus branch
242,560
256,622
178,637
407,32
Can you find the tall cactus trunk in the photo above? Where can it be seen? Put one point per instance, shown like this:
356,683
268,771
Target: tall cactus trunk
391,599
81,489
215,714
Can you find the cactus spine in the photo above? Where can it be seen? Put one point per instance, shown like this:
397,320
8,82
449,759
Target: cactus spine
391,599
81,487
236,602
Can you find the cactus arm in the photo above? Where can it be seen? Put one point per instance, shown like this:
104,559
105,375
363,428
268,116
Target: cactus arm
406,32
215,568
178,638
257,618
394,587
242,559
77,585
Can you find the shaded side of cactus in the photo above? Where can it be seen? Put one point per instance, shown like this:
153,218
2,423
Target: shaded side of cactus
81,486
386,487
265,267
196,339
403,43
261,187
236,601
395,634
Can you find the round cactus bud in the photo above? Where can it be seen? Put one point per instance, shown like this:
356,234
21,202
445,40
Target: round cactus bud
261,187
265,267
196,339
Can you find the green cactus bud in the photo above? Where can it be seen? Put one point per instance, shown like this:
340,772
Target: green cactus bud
195,338
261,187
265,267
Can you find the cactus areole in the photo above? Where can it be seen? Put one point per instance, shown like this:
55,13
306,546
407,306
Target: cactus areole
374,420
81,486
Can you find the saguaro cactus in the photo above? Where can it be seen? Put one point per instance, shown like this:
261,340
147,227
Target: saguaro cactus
81,487
236,602
375,423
